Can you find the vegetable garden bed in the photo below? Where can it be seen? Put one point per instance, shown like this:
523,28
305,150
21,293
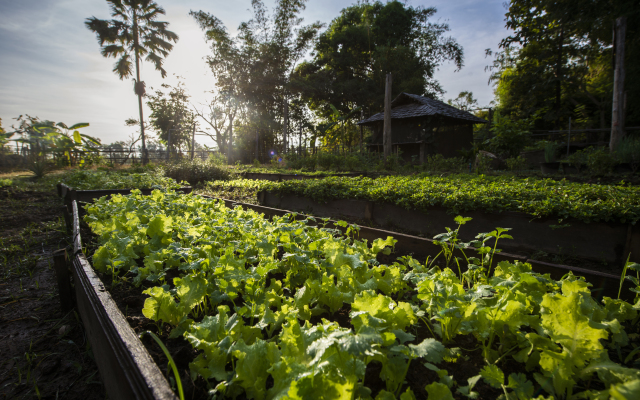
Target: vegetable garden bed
598,241
240,303
595,222
279,177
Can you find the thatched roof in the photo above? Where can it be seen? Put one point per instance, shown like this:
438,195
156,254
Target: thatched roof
411,105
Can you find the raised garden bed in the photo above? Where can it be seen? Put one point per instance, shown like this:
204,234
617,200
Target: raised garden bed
598,241
418,377
279,177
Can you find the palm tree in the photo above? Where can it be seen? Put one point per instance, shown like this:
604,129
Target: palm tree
134,31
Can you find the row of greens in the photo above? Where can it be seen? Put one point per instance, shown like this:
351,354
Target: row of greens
261,301
460,193
105,179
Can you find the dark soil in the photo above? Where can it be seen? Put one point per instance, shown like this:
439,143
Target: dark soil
45,353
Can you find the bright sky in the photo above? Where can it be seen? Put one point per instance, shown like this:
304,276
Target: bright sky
52,67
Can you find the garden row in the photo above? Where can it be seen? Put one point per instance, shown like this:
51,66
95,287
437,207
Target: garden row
593,222
314,311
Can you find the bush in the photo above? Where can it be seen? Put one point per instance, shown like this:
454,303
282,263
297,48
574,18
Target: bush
196,171
599,161
550,152
516,163
341,162
510,136
578,159
438,163
629,152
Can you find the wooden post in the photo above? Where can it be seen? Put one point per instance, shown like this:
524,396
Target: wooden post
386,137
300,139
193,142
62,276
617,117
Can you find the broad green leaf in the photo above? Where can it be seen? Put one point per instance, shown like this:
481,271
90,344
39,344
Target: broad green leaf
438,391
493,376
77,138
79,125
430,350
522,387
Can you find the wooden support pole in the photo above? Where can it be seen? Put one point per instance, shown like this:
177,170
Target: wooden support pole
386,138
617,117
62,276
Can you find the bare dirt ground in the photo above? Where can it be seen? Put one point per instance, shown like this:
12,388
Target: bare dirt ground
45,352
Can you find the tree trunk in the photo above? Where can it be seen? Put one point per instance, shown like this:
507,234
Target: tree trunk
230,145
559,74
617,117
285,125
145,155
361,130
193,142
257,144
386,137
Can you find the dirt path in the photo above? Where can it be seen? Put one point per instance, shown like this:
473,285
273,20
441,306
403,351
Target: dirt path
45,352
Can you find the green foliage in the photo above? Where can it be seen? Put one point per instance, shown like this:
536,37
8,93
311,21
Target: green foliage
516,163
134,32
438,163
92,180
578,159
599,161
365,42
550,151
466,192
628,151
266,294
65,143
196,171
509,135
253,69
171,116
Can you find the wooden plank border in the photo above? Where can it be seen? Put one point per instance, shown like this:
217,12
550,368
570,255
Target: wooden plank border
127,370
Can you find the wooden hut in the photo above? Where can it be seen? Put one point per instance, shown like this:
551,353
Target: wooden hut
421,126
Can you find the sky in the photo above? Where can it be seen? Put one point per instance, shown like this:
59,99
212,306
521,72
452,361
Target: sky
51,66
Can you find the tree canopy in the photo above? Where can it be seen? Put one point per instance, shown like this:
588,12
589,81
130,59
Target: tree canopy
559,60
363,44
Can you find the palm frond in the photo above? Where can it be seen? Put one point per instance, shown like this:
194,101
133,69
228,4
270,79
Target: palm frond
123,68
112,50
157,60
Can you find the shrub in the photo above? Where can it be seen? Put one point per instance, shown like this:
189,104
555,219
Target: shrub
550,151
510,136
629,152
578,159
516,163
196,171
599,161
438,163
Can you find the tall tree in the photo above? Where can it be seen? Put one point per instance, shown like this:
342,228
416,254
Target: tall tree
255,66
171,116
134,32
559,59
367,41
